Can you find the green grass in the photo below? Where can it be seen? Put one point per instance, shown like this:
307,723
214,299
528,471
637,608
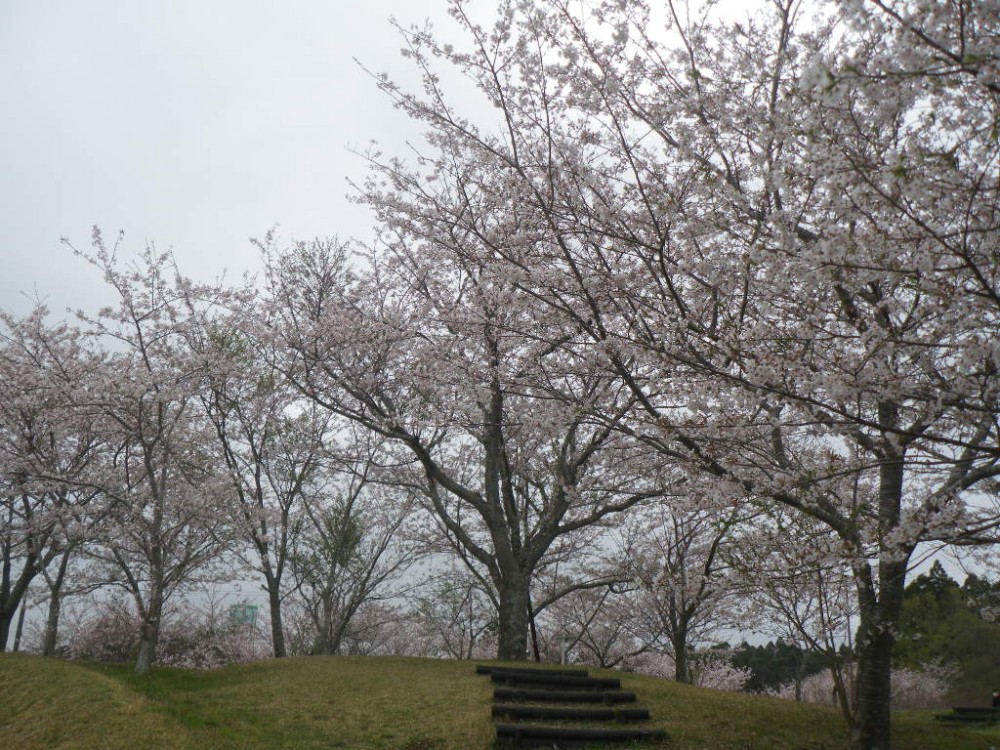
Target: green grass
375,703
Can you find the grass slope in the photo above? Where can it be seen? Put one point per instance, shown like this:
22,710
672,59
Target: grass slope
375,703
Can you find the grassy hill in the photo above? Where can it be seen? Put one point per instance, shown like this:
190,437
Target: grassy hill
374,703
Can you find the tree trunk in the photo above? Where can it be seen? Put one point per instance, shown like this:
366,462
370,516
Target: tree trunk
324,635
6,617
800,670
871,723
12,593
682,667
879,605
277,625
339,629
149,634
55,607
147,651
682,671
20,627
871,726
513,617
5,614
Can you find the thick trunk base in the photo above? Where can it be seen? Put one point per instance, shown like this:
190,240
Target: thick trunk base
871,724
277,625
513,625
146,656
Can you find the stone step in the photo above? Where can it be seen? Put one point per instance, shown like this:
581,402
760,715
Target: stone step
529,734
563,696
559,681
562,713
490,669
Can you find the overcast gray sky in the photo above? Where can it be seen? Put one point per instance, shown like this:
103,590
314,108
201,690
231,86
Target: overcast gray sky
191,123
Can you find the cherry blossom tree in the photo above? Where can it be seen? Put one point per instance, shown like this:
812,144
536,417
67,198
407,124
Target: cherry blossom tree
711,668
65,576
196,635
457,616
684,587
424,355
575,593
592,625
801,585
164,521
665,585
777,231
349,551
271,445
48,450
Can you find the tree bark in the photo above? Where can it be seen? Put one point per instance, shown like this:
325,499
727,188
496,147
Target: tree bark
513,617
55,608
149,632
277,625
6,617
535,653
871,723
12,591
20,628
879,607
800,670
324,634
682,669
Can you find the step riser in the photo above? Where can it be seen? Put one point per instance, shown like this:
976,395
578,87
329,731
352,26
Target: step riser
487,669
562,696
535,683
522,733
516,713
512,679
567,687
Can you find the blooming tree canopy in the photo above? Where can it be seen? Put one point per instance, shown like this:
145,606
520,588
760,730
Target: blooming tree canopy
778,234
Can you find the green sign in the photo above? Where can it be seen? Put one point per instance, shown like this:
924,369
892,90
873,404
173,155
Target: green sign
243,614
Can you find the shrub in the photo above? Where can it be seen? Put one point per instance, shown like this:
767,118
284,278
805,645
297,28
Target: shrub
192,636
709,669
911,688
109,632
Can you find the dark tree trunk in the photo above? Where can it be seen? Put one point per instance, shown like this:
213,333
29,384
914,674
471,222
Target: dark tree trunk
340,631
678,640
324,631
149,633
20,627
682,669
871,724
12,591
513,617
6,618
277,625
149,637
800,671
6,613
55,607
879,607
875,640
